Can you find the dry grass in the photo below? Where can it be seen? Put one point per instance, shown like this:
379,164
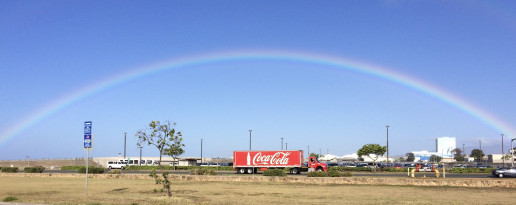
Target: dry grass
56,190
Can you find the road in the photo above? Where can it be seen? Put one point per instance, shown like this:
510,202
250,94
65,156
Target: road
360,174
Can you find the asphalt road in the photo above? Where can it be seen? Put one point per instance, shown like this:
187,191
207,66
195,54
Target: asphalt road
361,174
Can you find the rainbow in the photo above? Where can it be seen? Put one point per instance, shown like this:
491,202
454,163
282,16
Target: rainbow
243,55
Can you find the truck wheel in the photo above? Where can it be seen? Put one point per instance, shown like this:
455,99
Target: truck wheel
241,170
295,171
249,170
319,169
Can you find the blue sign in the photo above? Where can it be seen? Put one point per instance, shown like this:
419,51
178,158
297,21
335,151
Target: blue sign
87,141
87,128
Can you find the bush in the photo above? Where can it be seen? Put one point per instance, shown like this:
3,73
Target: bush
114,171
275,172
91,170
331,173
216,168
75,168
10,198
37,169
201,171
351,169
471,170
393,169
10,169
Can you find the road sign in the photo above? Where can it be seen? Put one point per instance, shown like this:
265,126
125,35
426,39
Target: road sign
88,142
87,128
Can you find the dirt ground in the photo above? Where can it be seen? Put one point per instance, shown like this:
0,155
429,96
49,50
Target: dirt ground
66,190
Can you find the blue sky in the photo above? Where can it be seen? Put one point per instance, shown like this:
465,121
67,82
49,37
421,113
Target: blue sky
52,49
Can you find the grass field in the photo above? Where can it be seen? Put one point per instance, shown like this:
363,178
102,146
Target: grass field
56,190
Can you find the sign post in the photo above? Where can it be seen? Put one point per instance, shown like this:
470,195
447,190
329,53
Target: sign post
88,145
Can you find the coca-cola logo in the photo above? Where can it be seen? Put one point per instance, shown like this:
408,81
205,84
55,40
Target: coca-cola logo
278,158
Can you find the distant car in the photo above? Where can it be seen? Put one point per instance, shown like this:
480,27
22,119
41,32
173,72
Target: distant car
425,169
481,166
213,165
203,164
116,165
505,172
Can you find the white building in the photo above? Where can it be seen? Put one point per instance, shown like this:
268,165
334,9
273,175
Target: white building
445,146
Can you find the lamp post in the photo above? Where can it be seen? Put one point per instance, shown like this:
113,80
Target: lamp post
503,154
463,152
125,141
201,151
140,155
250,139
282,143
387,143
308,151
512,152
286,146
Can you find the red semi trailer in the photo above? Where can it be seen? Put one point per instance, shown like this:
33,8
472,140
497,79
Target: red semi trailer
248,162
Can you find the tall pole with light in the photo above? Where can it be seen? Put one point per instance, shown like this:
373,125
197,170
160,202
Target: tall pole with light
282,143
286,146
250,139
201,151
512,152
387,143
125,142
140,155
503,153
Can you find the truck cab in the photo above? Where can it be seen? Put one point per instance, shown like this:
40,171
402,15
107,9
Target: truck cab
315,165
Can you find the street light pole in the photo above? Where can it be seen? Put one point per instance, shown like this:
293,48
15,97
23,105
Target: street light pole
387,143
125,141
308,151
463,152
282,143
250,139
503,154
140,155
512,152
201,151
286,146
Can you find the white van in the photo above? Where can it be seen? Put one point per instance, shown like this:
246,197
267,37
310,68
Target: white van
116,165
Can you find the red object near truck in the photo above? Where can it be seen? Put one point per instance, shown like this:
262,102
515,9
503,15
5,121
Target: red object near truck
248,162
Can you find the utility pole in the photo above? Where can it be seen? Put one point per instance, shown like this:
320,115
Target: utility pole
125,142
140,155
250,139
503,153
387,143
463,152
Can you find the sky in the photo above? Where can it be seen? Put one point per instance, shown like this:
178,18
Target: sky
324,76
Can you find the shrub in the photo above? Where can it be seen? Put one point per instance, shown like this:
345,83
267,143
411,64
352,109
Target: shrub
114,171
37,169
351,169
10,169
91,170
75,168
216,168
201,171
471,170
393,169
331,173
275,172
10,198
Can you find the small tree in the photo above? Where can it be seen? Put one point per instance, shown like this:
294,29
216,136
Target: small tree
165,138
477,154
435,158
458,155
316,155
373,151
410,157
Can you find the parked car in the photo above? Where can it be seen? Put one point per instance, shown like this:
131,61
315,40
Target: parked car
505,172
